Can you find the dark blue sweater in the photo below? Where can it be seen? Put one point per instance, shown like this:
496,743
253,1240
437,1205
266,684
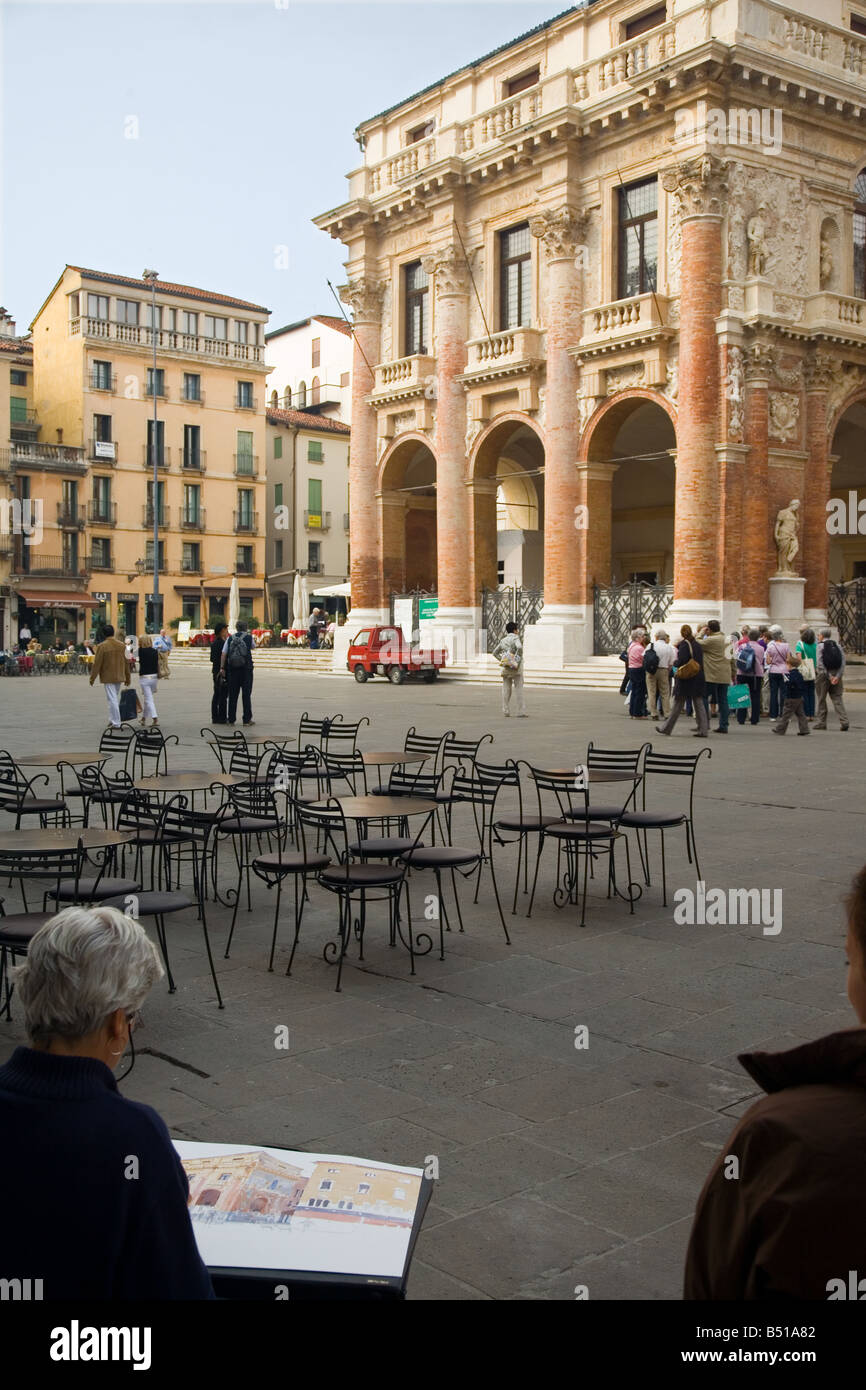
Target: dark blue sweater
795,686
71,1215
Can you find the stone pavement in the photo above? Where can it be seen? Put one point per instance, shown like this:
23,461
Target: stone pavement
558,1166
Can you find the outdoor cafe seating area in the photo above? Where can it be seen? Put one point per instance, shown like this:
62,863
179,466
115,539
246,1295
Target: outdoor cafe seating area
254,832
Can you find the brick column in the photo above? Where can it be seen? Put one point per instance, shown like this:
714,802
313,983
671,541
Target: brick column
699,188
485,558
364,295
815,538
756,530
596,494
449,271
564,632
392,513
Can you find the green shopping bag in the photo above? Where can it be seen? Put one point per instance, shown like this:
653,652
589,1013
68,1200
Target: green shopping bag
738,697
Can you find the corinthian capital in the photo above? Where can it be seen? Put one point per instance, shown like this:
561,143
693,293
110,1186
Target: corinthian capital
820,370
364,296
561,231
700,186
760,361
448,268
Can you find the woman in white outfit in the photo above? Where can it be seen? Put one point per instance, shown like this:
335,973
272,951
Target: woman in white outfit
148,675
510,654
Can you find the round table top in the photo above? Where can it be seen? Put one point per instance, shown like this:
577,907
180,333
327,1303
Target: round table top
52,759
392,759
31,841
232,740
593,774
187,781
376,807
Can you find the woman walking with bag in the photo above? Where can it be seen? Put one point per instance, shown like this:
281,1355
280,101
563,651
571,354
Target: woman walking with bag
148,675
690,684
510,654
776,666
807,650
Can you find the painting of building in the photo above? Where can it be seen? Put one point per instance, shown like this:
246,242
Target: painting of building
346,1190
251,1186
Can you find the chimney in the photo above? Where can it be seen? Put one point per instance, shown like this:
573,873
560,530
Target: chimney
7,324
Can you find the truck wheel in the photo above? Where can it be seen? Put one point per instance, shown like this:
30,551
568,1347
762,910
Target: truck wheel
396,675
431,676
360,675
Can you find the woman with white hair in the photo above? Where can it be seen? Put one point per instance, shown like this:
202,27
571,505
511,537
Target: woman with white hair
776,666
107,1217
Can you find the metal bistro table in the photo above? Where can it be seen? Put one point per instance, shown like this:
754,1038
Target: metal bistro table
392,759
588,777
173,783
53,759
31,841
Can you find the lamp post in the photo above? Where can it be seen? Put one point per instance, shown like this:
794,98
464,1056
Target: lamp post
151,277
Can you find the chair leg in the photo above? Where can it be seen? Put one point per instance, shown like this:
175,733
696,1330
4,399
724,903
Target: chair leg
456,899
495,884
279,886
664,870
535,875
690,826
210,957
163,946
300,899
238,850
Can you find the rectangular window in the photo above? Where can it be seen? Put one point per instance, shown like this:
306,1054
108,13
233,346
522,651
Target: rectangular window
102,497
148,555
520,84
169,319
644,22
245,395
102,428
860,254
416,285
638,239
160,441
191,503
157,377
244,560
317,353
18,410
278,555
100,553
190,558
314,557
215,327
858,24
245,507
160,500
126,311
278,494
515,271
314,498
69,493
188,323
17,378
101,378
152,319
97,306
421,132
191,611
245,451
363,1187
314,451
278,446
192,446
242,329
191,386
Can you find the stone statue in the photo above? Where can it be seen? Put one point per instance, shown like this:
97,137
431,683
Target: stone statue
756,235
826,263
786,537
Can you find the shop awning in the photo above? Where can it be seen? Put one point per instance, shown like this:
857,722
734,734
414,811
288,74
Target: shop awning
46,598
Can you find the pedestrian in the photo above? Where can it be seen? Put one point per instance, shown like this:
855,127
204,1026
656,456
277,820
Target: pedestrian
24,635
807,650
148,675
162,641
717,669
623,656
763,639
792,1227
690,684
658,676
636,676
776,664
237,663
510,655
830,670
219,699
749,661
792,705
110,664
313,629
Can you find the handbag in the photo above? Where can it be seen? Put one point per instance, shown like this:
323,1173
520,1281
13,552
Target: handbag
738,697
689,669
807,667
509,661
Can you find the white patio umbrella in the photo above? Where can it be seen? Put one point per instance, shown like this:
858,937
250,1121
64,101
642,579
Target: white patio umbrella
234,604
299,617
304,611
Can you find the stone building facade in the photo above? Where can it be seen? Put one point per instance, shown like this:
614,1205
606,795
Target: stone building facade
610,279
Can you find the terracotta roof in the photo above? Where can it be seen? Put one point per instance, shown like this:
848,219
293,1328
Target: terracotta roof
329,320
16,345
301,419
167,287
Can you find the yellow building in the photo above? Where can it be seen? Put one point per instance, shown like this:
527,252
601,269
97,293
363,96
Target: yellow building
94,392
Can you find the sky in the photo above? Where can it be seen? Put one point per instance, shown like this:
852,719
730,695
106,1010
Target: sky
201,138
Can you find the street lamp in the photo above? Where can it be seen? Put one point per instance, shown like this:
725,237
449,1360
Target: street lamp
151,276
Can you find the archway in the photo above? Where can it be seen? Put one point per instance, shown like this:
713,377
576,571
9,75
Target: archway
507,482
407,493
847,542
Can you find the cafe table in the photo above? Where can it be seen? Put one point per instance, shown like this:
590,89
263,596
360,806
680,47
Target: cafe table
392,758
60,838
54,759
173,783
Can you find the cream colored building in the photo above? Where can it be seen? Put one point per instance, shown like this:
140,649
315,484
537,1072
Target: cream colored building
307,505
609,288
311,367
94,392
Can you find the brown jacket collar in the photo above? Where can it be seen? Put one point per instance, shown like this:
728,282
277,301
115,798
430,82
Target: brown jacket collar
839,1058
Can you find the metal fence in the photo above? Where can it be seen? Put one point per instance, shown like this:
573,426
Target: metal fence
625,606
509,605
846,610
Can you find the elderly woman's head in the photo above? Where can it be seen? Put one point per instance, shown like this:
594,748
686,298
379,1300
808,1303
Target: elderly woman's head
87,973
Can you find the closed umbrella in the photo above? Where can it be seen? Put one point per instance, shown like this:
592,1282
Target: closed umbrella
304,611
298,615
234,604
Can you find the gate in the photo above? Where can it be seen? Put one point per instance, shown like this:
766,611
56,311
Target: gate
846,610
625,606
511,605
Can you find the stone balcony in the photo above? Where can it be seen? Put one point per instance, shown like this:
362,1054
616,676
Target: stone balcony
403,379
837,316
509,353
183,344
639,319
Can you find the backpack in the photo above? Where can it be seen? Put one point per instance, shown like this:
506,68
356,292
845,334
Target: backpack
831,656
746,660
651,660
238,652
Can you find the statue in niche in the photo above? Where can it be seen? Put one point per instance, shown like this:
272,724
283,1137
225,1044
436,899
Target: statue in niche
826,263
786,536
756,236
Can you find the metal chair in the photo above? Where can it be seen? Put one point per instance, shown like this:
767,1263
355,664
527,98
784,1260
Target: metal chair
463,752
341,736
224,745
250,809
149,747
481,788
96,789
17,929
642,821
18,797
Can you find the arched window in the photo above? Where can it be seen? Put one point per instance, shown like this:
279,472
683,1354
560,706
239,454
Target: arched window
275,400
287,398
302,395
860,236
317,393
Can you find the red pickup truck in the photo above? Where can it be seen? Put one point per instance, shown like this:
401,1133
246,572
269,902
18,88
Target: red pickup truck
384,651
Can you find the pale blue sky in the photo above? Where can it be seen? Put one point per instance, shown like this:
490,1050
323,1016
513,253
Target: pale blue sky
245,117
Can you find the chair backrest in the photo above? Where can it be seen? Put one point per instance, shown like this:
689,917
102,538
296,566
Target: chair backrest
561,793
417,781
674,765
45,864
118,741
223,745
432,745
311,730
322,823
624,761
251,799
345,773
149,756
244,760
342,735
287,767
463,752
480,787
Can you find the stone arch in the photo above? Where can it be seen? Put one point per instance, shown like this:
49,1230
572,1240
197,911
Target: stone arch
316,391
407,515
847,543
275,400
611,411
506,482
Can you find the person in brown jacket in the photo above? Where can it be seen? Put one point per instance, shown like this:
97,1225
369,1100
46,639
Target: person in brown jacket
110,664
782,1215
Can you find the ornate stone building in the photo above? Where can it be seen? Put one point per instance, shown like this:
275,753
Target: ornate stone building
609,294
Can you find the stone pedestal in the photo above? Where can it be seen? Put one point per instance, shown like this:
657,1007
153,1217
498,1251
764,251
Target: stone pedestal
695,612
458,630
562,636
358,618
786,603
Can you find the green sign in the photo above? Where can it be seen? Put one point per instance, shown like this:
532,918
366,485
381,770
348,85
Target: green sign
427,608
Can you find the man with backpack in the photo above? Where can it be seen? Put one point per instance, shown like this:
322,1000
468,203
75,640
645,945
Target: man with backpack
749,661
829,669
237,665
